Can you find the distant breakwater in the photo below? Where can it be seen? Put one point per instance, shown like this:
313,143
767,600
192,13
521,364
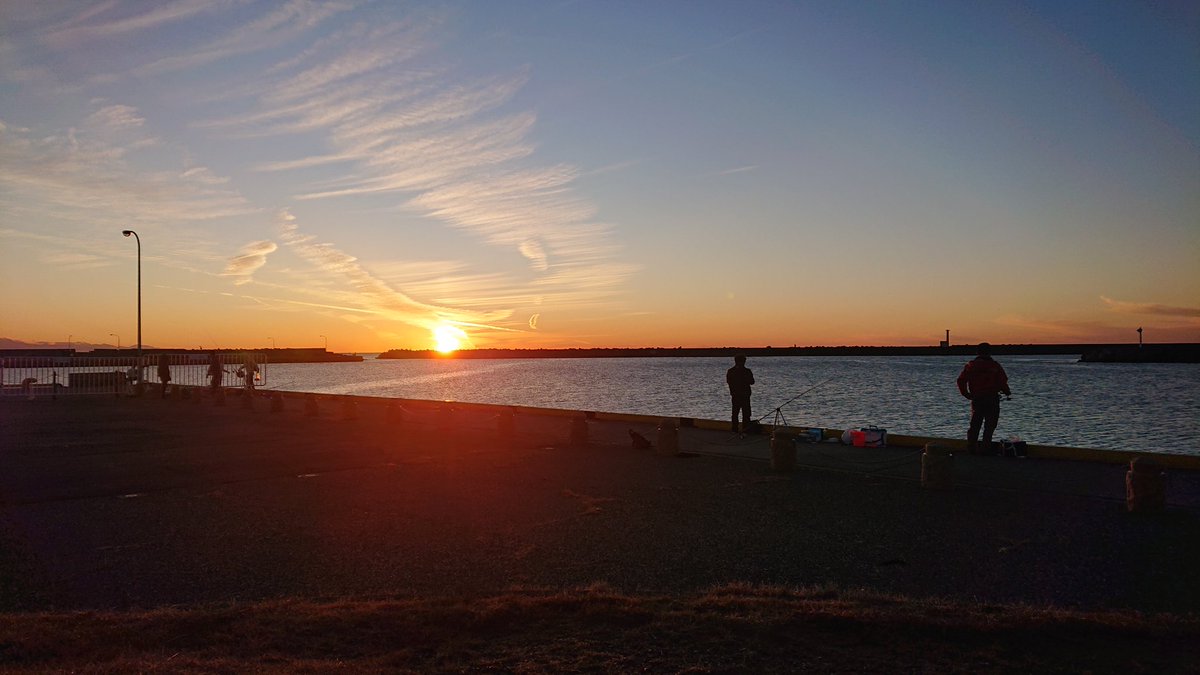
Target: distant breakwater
1162,353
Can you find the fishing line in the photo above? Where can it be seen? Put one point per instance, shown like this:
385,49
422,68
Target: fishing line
778,411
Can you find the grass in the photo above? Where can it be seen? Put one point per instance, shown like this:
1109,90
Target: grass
737,628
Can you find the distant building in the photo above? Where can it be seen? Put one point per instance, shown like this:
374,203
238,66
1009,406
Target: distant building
946,342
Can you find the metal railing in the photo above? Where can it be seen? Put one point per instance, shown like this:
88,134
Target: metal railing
38,376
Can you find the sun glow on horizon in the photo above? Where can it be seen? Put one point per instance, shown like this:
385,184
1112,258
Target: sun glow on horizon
447,338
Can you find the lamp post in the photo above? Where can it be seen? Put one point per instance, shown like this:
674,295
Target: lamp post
139,291
69,340
272,342
326,342
118,340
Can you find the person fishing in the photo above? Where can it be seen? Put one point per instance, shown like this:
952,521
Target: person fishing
981,382
739,378
216,371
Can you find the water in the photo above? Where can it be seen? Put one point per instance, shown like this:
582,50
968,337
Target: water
1056,401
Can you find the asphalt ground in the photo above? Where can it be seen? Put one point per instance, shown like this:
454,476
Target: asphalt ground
112,503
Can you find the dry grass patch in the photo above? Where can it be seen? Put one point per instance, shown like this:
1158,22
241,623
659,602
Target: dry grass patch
736,628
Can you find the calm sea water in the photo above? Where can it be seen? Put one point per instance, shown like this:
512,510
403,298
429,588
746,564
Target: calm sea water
1056,401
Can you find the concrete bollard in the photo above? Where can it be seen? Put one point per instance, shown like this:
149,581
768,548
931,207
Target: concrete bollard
276,402
349,410
937,467
1145,491
579,433
783,451
668,437
310,406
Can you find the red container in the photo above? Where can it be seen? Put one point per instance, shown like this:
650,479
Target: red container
858,439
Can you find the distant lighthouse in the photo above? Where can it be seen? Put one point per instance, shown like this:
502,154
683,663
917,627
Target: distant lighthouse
946,342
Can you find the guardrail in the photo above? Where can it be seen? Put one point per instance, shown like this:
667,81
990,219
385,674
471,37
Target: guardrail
42,376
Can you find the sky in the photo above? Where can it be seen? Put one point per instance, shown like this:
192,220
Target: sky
369,175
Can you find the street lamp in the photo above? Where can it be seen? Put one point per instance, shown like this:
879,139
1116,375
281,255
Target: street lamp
139,288
272,342
326,342
118,340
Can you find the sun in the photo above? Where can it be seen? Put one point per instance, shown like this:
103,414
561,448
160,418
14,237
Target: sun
447,338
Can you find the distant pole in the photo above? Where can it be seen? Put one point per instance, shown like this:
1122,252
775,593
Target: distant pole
69,341
272,342
326,342
1139,337
139,289
118,340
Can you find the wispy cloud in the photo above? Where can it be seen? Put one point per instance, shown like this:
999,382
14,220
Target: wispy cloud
84,171
106,19
77,261
272,29
372,292
448,153
1150,309
251,258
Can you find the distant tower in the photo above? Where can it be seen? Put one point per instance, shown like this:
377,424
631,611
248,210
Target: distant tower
946,342
1139,337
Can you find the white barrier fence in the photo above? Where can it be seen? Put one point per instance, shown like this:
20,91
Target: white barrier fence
36,376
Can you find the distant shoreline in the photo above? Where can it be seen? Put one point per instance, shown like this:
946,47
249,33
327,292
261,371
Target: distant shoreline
1172,353
1185,352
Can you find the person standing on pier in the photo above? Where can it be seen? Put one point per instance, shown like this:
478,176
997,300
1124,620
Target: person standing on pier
981,382
739,378
164,373
216,371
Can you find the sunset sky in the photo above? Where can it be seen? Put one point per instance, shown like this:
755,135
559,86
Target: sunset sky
599,173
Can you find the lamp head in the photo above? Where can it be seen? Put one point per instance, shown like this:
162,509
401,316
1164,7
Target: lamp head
126,232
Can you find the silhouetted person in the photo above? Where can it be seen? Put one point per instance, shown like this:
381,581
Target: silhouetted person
216,371
739,378
164,372
982,381
248,370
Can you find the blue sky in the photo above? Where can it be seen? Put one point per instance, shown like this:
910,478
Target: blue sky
600,173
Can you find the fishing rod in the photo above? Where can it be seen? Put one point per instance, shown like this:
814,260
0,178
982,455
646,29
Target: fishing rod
778,411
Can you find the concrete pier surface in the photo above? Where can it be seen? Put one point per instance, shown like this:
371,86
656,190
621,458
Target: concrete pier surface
144,502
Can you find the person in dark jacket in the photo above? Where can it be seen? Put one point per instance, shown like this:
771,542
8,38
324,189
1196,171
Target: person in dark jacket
981,382
739,378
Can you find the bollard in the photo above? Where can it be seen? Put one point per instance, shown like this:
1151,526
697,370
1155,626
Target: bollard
668,437
579,433
937,467
349,410
1145,491
783,451
219,397
310,406
505,425
276,402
